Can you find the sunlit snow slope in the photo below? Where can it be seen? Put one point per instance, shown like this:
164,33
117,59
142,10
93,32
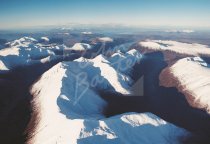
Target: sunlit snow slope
71,111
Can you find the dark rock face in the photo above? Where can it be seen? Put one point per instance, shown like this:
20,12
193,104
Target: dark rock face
15,110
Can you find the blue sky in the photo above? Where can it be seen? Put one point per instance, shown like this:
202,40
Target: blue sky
22,13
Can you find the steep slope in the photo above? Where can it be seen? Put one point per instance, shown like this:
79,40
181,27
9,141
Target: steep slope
191,76
178,92
20,65
68,106
70,109
186,71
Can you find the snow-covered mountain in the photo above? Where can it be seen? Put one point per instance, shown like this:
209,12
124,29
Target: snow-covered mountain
174,49
71,110
187,70
45,39
81,47
67,106
21,52
105,39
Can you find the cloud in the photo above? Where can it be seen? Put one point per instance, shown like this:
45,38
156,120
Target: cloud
180,31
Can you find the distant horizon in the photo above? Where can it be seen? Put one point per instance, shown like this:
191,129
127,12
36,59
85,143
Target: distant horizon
22,14
105,25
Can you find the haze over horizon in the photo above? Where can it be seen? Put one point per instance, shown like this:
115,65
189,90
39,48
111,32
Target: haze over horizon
179,13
